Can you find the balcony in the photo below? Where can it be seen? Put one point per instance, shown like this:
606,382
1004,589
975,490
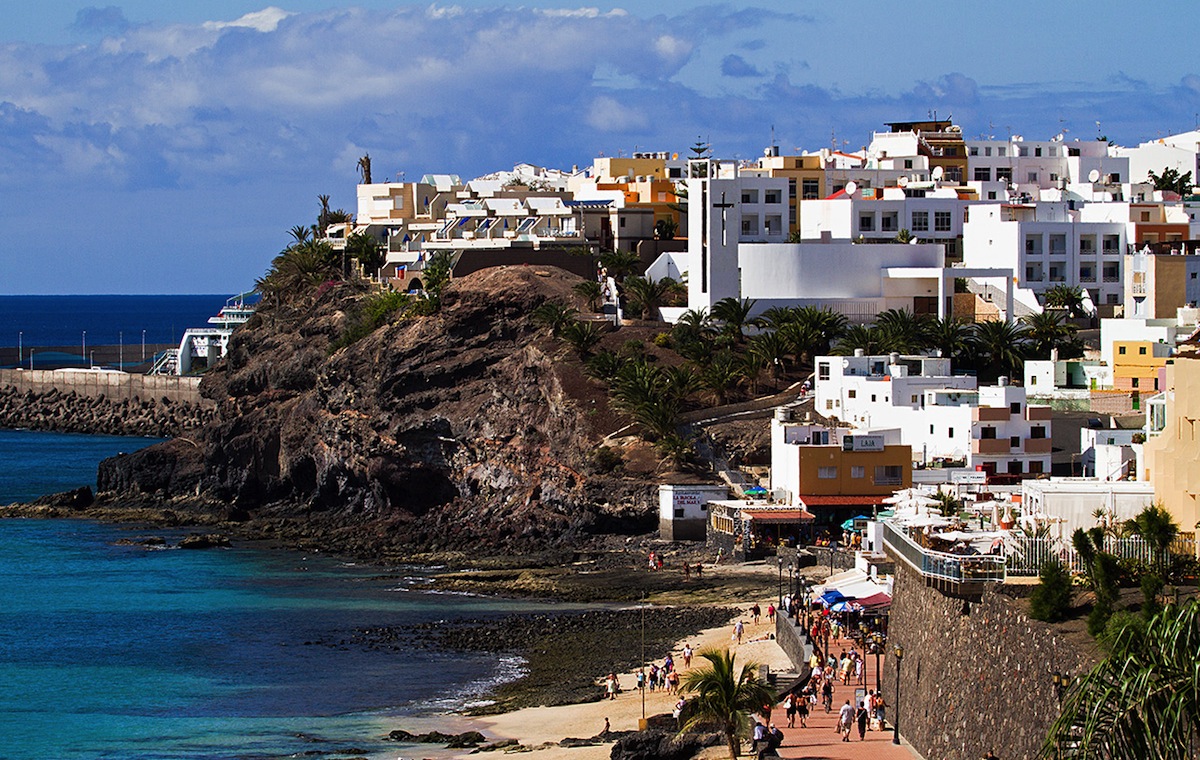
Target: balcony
991,414
1038,445
949,572
990,446
1037,413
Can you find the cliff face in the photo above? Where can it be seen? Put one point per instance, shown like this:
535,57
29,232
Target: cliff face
456,431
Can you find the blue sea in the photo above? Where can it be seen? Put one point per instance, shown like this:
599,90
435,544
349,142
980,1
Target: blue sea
107,319
120,651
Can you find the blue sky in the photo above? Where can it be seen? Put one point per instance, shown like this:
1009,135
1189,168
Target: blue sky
153,147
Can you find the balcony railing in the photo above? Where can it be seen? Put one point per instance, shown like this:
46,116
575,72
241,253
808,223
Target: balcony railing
990,446
941,566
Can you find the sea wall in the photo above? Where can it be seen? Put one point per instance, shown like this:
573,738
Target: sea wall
107,403
975,675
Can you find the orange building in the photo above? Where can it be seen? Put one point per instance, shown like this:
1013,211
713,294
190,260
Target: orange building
1136,364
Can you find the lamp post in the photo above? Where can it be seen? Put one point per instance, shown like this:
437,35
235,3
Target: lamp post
83,347
143,345
1061,682
20,347
92,359
31,359
877,643
832,549
896,722
780,583
121,361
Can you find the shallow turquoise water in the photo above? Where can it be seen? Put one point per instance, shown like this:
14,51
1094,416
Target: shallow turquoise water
113,651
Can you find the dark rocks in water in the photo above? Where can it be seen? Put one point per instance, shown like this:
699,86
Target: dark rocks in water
147,541
204,541
452,741
76,499
661,745
504,745
71,412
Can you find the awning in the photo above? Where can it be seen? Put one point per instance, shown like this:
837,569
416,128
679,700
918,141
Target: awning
774,516
875,600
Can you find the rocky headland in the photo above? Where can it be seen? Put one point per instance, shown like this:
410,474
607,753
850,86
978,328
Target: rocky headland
464,433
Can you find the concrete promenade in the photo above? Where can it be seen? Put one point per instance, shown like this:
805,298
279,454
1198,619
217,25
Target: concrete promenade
115,386
820,741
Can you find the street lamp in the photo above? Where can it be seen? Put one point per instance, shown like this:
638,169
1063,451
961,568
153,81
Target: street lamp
143,345
20,347
877,643
83,348
832,549
121,339
92,359
896,722
780,584
1061,682
31,359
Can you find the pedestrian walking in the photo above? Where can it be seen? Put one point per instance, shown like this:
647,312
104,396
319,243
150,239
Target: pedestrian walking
845,720
861,718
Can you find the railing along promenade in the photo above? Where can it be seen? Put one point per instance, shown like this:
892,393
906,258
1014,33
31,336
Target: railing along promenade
942,568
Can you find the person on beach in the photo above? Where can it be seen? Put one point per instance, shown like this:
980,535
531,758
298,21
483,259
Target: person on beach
755,611
641,679
677,713
770,613
607,728
669,663
673,682
687,655
653,564
739,629
653,675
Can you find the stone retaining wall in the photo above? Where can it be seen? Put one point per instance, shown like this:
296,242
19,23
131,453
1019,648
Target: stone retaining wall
111,385
975,676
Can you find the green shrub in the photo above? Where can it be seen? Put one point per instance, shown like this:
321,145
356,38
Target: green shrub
1152,586
1052,598
606,459
1117,623
371,314
663,340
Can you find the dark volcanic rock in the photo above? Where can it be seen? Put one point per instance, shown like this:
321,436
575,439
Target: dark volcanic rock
79,498
661,745
204,541
466,430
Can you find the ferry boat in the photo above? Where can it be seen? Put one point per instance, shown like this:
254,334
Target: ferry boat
201,347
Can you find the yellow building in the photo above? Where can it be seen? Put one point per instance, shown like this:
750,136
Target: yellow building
1136,364
1172,450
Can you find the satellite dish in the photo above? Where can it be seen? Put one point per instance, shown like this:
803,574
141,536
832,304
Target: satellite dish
851,187
938,173
1094,175
902,181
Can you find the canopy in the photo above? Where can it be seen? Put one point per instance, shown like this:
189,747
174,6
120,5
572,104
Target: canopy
831,597
875,600
771,516
754,491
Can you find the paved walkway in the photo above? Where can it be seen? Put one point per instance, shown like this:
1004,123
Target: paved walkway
820,741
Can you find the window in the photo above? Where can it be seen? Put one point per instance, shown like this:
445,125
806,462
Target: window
773,224
1033,245
889,222
1032,177
983,174
1121,350
1112,298
950,432
792,188
1037,152
888,475
914,398
908,164
1002,150
1035,467
866,222
773,196
1115,177
872,398
749,196
1015,407
941,221
1141,350
858,472
1058,245
621,222
931,429
823,371
750,225
974,150
1023,150
827,473
1135,381
1037,431
851,393
987,433
810,189
1112,244
1087,273
1014,441
991,195
1087,245
987,151
828,404
1112,272
920,221
1003,173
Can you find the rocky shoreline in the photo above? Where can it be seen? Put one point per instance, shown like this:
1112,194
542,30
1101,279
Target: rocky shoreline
71,412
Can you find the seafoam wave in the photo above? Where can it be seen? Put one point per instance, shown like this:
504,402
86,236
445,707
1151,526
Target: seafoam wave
477,693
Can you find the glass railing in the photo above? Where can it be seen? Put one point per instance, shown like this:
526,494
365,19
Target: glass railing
950,567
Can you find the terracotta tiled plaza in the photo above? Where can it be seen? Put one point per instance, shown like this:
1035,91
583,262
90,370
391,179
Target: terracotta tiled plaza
820,741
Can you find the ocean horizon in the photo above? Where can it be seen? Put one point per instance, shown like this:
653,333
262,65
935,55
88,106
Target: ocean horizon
62,320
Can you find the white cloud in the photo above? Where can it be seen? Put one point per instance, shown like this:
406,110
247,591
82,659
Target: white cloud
266,20
607,115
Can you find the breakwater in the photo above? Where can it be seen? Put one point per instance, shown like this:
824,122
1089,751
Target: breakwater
109,403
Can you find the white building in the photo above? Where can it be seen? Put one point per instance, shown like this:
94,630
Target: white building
1110,453
940,415
683,510
1047,244
1074,501
1180,152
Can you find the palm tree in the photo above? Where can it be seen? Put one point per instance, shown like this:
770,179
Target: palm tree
682,381
1069,297
646,295
1000,347
665,229
1046,331
620,263
367,251
555,315
772,350
676,449
590,290
830,324
1141,701
323,217
364,168
952,336
581,336
802,339
724,696
300,233
1158,529
901,330
867,338
721,374
778,316
734,314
